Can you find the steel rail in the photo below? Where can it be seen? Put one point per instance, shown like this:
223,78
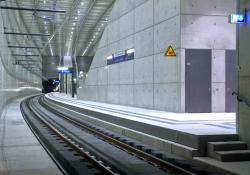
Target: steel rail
25,113
104,169
167,166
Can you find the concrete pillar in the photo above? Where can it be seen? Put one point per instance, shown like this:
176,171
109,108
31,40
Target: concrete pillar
243,34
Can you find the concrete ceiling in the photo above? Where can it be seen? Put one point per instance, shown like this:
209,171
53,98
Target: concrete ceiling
66,27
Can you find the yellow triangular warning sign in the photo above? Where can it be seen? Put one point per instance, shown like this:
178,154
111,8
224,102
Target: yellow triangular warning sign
170,52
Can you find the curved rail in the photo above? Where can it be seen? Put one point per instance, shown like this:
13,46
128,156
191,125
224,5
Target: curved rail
166,166
38,106
106,170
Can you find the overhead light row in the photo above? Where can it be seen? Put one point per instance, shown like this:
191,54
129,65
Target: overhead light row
75,22
94,37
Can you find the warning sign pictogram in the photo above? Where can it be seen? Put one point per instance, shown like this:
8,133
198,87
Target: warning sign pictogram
170,52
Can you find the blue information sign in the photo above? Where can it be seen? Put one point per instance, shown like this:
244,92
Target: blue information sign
120,57
64,71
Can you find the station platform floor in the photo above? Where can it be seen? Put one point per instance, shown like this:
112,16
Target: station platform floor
20,151
197,124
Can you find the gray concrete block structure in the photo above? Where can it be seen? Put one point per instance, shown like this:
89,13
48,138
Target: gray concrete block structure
243,73
152,80
12,75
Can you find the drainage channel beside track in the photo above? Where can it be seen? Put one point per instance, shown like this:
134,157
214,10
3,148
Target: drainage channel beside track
81,148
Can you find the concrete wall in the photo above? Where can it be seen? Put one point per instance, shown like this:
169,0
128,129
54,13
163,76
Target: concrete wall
142,81
204,25
49,68
13,78
243,115
150,26
83,63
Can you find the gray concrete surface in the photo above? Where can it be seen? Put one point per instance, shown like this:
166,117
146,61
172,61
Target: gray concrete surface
181,134
240,168
243,116
20,151
150,26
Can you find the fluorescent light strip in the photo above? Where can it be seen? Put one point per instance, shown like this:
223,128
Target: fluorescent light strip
110,57
130,51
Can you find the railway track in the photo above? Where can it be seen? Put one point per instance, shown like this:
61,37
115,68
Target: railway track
106,153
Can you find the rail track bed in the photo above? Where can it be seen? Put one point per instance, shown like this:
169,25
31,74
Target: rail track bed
79,147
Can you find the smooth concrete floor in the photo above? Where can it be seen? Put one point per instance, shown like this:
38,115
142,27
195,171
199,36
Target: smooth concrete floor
193,123
240,168
20,151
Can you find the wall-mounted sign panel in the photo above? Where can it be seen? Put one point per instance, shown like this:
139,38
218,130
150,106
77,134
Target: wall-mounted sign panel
64,71
121,57
170,52
237,19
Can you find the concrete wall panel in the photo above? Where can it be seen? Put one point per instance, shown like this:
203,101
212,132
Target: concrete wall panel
144,16
127,72
126,6
143,95
127,24
102,93
114,31
218,66
113,48
167,33
166,69
243,119
164,10
116,11
104,39
207,32
205,7
92,78
139,2
126,95
144,70
167,97
144,43
127,43
102,76
114,74
113,94
218,97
